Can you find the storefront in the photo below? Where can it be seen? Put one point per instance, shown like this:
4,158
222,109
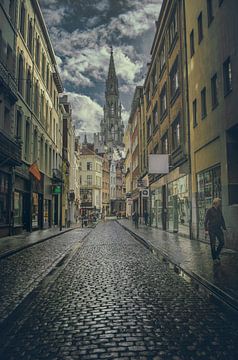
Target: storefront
208,187
37,205
21,203
178,206
156,208
4,204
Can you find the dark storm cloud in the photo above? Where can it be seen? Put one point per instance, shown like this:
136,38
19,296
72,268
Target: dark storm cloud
82,33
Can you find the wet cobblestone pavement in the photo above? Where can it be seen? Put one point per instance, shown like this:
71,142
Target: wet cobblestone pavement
20,273
115,300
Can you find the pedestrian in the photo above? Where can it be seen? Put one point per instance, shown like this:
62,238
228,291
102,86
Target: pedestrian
214,223
136,219
146,216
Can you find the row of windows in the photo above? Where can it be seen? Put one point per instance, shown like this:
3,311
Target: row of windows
227,88
40,55
210,17
172,37
35,146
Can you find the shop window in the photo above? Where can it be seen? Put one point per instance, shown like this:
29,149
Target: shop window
214,91
195,121
200,28
4,199
209,187
18,208
227,76
203,103
232,164
192,44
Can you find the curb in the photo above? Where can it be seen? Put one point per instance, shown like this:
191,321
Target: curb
196,280
20,248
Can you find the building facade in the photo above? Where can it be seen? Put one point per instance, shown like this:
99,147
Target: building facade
90,180
213,87
105,185
10,147
167,120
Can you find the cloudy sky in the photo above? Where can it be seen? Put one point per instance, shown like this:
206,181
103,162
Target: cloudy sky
82,33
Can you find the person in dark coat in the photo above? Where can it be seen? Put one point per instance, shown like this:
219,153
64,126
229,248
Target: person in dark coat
214,223
136,219
146,216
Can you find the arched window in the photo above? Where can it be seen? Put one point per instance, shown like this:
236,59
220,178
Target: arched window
20,74
28,87
22,19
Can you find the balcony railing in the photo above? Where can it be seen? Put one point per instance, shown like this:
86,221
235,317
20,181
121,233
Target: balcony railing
10,150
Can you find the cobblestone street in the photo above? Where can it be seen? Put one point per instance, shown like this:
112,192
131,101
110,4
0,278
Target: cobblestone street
113,299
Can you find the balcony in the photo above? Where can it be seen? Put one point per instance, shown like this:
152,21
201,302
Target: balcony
10,150
8,83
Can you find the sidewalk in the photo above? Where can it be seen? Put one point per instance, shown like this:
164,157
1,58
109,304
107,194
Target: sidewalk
193,258
12,244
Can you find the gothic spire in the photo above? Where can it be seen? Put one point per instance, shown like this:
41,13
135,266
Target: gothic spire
111,71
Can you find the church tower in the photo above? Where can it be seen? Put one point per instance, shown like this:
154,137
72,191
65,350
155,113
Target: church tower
112,128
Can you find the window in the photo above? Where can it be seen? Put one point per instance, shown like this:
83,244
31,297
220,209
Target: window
220,2
46,158
36,98
155,116
22,19
163,102
43,66
162,58
19,125
203,103
20,74
156,149
27,140
214,91
89,179
149,130
200,28
89,166
30,36
147,94
209,11
176,133
165,145
47,77
192,45
35,145
42,107
10,62
154,78
174,80
12,9
195,122
37,54
7,120
28,87
227,76
173,28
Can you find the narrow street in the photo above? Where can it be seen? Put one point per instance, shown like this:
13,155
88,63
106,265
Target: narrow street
109,298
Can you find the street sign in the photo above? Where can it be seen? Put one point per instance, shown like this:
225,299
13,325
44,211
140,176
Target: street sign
145,193
56,189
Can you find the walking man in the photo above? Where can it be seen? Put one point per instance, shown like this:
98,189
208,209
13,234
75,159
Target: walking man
136,219
214,223
146,215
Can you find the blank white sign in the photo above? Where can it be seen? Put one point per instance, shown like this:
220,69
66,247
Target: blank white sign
158,164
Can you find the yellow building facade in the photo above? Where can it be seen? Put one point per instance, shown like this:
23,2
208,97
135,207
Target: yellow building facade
212,45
